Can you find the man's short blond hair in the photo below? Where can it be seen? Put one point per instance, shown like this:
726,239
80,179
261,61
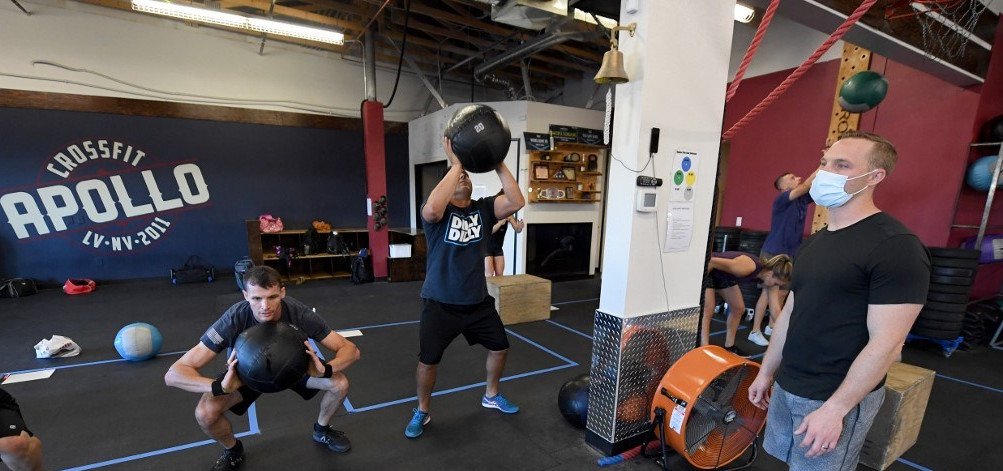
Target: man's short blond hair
882,154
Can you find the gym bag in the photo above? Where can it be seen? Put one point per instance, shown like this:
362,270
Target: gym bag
17,287
269,224
336,244
79,286
240,268
361,273
193,271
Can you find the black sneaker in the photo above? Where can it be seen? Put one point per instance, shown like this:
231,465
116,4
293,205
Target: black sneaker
231,458
335,440
738,351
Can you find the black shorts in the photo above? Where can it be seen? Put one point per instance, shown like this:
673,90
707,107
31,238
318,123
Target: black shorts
709,282
441,323
495,251
11,422
249,395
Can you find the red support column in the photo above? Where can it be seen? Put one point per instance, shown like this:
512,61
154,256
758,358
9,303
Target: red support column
376,181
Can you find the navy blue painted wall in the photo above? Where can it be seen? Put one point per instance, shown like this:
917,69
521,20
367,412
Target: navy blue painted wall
299,174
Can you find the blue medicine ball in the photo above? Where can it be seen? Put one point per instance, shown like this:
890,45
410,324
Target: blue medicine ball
138,342
980,174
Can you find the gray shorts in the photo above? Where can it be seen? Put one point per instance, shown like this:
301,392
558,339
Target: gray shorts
785,416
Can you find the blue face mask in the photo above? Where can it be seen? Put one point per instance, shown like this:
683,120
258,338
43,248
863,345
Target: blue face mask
827,188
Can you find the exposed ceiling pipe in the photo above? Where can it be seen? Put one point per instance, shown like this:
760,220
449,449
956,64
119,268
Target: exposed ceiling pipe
492,79
370,64
525,80
421,75
530,48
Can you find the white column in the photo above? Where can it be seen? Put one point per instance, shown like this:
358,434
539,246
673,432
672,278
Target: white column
648,312
677,63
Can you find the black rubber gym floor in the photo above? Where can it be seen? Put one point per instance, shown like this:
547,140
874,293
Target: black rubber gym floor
100,412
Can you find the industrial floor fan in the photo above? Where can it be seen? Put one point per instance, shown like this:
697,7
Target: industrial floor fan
702,410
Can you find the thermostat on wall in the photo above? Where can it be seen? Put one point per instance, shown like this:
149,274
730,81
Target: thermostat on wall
647,200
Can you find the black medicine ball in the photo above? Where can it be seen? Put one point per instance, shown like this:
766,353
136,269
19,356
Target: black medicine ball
271,356
480,137
992,130
573,400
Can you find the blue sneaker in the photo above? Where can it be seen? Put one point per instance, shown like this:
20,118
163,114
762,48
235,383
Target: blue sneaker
417,424
499,402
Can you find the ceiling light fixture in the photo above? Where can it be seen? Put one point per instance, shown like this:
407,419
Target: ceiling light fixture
744,13
260,25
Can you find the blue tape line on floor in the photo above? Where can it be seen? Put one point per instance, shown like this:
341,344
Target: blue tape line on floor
989,388
376,326
914,465
541,347
153,453
101,362
462,388
570,329
575,301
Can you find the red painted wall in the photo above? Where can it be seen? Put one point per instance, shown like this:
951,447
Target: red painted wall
786,137
971,203
928,120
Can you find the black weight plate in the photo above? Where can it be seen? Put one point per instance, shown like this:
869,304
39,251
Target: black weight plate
941,315
947,297
937,333
954,253
939,325
945,307
955,262
951,271
952,289
951,280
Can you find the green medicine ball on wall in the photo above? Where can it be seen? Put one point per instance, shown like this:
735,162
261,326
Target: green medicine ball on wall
862,91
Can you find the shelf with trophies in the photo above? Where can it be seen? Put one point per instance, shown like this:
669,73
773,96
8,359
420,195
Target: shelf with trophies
567,174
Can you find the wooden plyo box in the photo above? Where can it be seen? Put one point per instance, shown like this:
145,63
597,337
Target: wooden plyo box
520,298
897,424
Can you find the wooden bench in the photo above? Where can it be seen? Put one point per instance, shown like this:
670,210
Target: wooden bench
520,298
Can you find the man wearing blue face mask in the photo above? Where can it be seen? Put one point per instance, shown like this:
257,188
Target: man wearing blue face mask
857,287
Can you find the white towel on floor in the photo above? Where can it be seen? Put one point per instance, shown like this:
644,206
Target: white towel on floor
57,346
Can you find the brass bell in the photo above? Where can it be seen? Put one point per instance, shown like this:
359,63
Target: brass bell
611,70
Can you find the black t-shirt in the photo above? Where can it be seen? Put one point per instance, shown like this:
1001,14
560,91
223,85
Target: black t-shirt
498,237
837,274
454,269
238,318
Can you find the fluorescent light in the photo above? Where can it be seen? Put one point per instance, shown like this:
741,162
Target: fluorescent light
295,31
215,17
743,14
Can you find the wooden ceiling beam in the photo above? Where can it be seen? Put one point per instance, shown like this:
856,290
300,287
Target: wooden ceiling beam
263,5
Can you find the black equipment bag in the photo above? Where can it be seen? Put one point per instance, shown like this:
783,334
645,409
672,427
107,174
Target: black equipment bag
17,287
361,272
240,268
310,242
193,271
336,244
